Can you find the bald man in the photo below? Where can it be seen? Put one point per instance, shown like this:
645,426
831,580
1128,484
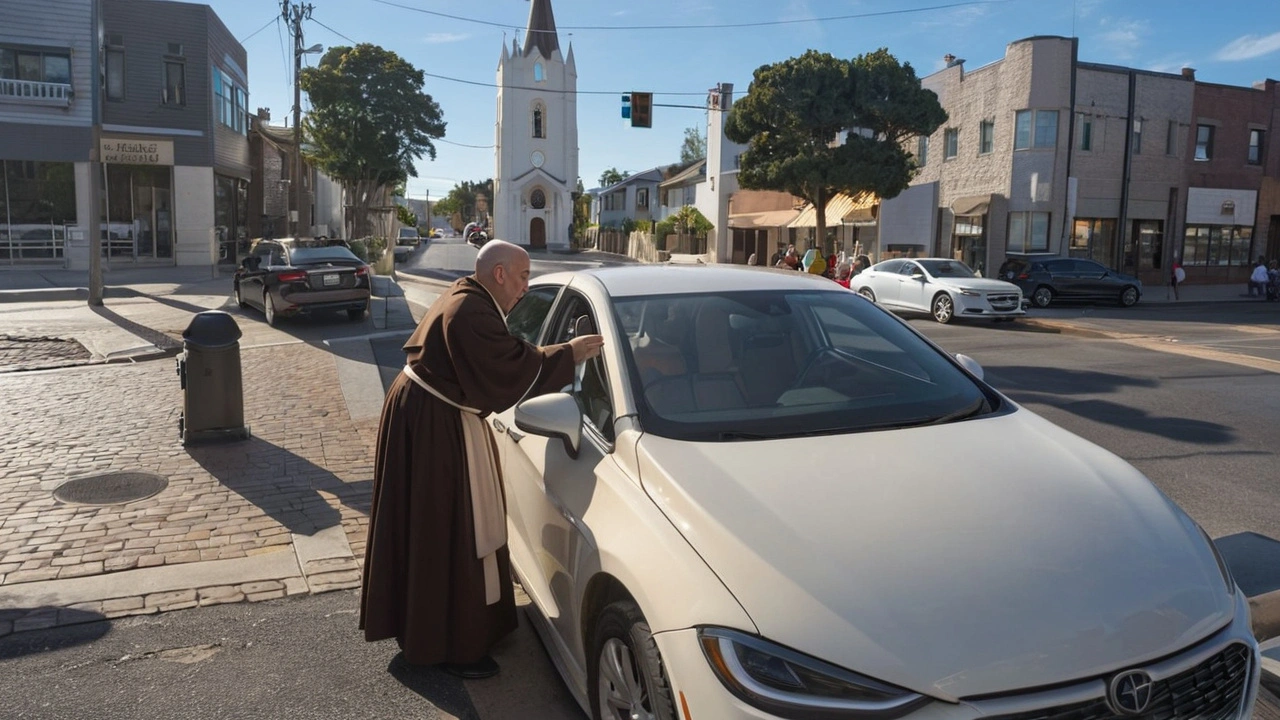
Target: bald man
437,575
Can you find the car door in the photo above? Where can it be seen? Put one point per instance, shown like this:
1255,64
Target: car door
1062,278
1093,280
882,279
915,291
549,491
252,282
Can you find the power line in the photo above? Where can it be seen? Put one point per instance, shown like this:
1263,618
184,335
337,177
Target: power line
478,147
255,32
335,32
710,26
547,90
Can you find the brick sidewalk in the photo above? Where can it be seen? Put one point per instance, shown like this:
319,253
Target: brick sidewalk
298,490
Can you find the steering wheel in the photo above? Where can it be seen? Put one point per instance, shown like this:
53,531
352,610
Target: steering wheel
810,360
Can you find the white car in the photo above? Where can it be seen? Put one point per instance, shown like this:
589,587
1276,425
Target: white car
945,289
771,498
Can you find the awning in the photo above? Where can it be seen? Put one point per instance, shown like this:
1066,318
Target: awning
841,209
971,205
767,219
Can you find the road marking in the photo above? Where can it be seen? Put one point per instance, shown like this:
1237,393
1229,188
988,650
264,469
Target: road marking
1204,353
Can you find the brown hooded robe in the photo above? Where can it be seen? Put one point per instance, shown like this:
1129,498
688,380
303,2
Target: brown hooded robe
423,583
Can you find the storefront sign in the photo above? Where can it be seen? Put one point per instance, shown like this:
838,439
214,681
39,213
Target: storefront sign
137,152
1221,206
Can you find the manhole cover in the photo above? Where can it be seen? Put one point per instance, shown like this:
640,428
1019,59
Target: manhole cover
110,489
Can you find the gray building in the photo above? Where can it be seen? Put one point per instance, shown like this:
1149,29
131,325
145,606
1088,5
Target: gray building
173,126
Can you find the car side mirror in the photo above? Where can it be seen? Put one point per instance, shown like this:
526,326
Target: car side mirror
917,276
970,364
552,415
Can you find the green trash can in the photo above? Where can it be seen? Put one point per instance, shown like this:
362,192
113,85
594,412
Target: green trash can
209,372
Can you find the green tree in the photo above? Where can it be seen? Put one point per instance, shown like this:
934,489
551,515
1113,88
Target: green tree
688,220
460,203
369,122
406,218
581,211
612,177
694,147
794,111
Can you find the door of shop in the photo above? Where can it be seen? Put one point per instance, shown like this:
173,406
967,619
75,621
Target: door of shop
140,214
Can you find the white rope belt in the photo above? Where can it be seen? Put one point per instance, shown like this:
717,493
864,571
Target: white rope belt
487,510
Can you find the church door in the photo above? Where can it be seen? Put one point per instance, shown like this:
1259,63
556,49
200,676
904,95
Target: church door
537,233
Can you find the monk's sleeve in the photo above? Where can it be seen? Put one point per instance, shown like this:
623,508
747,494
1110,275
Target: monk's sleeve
495,369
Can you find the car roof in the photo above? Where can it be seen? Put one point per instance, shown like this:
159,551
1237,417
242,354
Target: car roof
665,279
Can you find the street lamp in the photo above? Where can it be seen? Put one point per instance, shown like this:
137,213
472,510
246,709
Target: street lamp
297,126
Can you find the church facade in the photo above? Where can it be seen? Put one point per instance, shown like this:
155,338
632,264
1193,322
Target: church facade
536,150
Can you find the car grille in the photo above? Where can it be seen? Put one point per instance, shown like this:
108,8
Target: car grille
1004,301
1213,690
346,280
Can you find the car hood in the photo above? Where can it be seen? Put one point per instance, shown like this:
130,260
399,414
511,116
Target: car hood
984,284
1010,554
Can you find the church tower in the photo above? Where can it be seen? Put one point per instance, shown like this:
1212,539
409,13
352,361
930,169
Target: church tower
536,137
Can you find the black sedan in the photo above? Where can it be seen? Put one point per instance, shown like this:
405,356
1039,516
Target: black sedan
1045,279
302,276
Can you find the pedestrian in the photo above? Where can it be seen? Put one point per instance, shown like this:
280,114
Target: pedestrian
1259,279
1177,276
437,574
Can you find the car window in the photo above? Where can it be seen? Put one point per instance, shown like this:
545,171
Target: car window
1091,268
1060,266
909,269
526,319
888,266
947,268
593,397
335,253
774,363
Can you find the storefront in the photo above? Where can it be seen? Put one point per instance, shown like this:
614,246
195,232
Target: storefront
1217,245
37,204
231,218
138,195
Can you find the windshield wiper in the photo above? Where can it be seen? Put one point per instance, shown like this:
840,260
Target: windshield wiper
967,411
736,435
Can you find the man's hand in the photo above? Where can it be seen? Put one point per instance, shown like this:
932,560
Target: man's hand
586,347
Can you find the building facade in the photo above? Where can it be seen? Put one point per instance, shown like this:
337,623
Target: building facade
536,137
171,135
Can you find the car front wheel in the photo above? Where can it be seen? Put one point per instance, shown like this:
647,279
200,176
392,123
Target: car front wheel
943,308
1129,296
1042,297
630,681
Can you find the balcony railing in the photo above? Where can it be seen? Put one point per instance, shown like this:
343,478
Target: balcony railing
42,93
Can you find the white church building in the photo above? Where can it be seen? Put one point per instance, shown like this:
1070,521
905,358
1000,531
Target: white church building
536,137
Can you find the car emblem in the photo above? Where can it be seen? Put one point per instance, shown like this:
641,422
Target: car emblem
1130,692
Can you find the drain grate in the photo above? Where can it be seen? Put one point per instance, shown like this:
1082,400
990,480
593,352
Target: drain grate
113,488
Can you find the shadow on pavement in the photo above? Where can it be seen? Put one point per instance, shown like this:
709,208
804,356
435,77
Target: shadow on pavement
155,337
1063,382
1197,432
434,686
83,627
283,485
1254,561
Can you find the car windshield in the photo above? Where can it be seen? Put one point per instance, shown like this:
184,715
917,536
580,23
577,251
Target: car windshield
946,268
316,255
408,233
770,363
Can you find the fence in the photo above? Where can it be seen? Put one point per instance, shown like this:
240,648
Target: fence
643,246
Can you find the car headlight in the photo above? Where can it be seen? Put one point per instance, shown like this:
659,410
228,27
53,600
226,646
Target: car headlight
970,293
790,684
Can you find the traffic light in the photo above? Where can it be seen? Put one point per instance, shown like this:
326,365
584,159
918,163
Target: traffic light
640,109
626,107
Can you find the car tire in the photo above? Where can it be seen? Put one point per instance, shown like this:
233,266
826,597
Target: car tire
269,309
1128,296
627,667
867,293
943,308
355,315
1042,296
240,298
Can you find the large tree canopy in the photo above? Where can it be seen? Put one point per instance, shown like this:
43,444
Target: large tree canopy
369,122
612,177
795,110
694,147
461,201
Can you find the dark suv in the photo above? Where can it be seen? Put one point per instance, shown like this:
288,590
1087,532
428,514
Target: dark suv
1045,278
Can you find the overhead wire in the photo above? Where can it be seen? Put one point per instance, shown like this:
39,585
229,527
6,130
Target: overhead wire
248,37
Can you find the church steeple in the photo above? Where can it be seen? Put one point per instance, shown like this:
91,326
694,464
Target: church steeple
542,30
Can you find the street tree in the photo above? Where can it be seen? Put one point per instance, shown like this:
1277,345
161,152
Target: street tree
460,204
694,147
369,121
795,111
612,177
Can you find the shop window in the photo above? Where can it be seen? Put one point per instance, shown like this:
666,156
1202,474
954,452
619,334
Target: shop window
1094,239
1028,231
1217,245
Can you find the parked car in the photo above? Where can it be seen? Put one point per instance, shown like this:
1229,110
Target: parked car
946,289
407,240
1046,278
302,276
693,534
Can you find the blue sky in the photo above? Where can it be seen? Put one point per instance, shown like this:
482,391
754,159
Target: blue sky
1232,42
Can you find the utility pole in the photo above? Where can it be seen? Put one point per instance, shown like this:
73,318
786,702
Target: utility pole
294,14
93,224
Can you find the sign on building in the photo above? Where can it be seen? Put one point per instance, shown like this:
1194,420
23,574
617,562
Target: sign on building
137,152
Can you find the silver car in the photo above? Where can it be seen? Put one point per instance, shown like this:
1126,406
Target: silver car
945,289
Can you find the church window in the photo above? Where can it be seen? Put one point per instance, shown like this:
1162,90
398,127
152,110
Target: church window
538,199
539,121
538,75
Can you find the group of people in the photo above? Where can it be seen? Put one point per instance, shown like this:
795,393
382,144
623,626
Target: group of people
1264,282
839,267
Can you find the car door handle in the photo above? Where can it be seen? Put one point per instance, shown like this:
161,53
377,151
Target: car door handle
499,425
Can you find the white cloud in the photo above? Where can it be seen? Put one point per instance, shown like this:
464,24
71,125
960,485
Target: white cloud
1168,64
439,38
1249,47
1122,37
958,18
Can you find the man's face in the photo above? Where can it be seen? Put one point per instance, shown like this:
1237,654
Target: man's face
513,279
